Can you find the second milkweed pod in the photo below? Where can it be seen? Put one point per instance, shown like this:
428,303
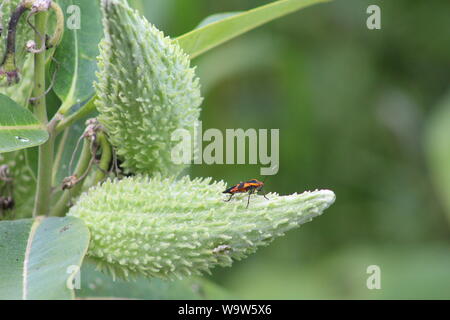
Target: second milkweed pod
171,228
146,90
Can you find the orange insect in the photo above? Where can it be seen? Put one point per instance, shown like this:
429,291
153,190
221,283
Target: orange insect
250,186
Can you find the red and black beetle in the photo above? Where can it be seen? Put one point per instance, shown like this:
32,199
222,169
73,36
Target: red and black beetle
250,187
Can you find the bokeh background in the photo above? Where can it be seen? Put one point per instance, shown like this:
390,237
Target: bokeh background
361,112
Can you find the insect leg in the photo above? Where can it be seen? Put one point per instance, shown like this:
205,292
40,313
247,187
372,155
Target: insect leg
229,199
249,194
264,194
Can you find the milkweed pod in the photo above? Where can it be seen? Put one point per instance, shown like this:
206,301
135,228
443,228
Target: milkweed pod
167,228
146,90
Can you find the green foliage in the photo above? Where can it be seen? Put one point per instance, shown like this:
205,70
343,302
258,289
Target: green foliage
19,129
357,113
77,53
170,228
141,101
437,143
37,255
220,28
351,105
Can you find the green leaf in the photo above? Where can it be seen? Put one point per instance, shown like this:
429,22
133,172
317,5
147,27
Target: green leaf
213,34
95,284
39,257
19,129
77,53
437,143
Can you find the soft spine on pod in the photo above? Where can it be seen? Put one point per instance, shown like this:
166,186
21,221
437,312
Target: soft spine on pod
146,90
171,228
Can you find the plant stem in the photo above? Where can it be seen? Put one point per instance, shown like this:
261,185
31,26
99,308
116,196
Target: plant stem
44,183
59,154
83,165
59,30
105,160
84,111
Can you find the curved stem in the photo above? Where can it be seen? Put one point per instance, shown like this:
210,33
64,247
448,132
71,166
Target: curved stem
59,30
105,160
81,113
83,166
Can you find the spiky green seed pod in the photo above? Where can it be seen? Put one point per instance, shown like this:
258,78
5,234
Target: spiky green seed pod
173,228
146,90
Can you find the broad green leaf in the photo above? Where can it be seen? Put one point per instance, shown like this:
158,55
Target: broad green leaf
95,284
40,257
213,34
19,129
437,143
78,51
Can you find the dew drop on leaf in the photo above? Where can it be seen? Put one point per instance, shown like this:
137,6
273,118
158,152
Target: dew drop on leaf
21,139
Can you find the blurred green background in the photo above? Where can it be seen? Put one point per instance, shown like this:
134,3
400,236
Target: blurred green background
361,112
